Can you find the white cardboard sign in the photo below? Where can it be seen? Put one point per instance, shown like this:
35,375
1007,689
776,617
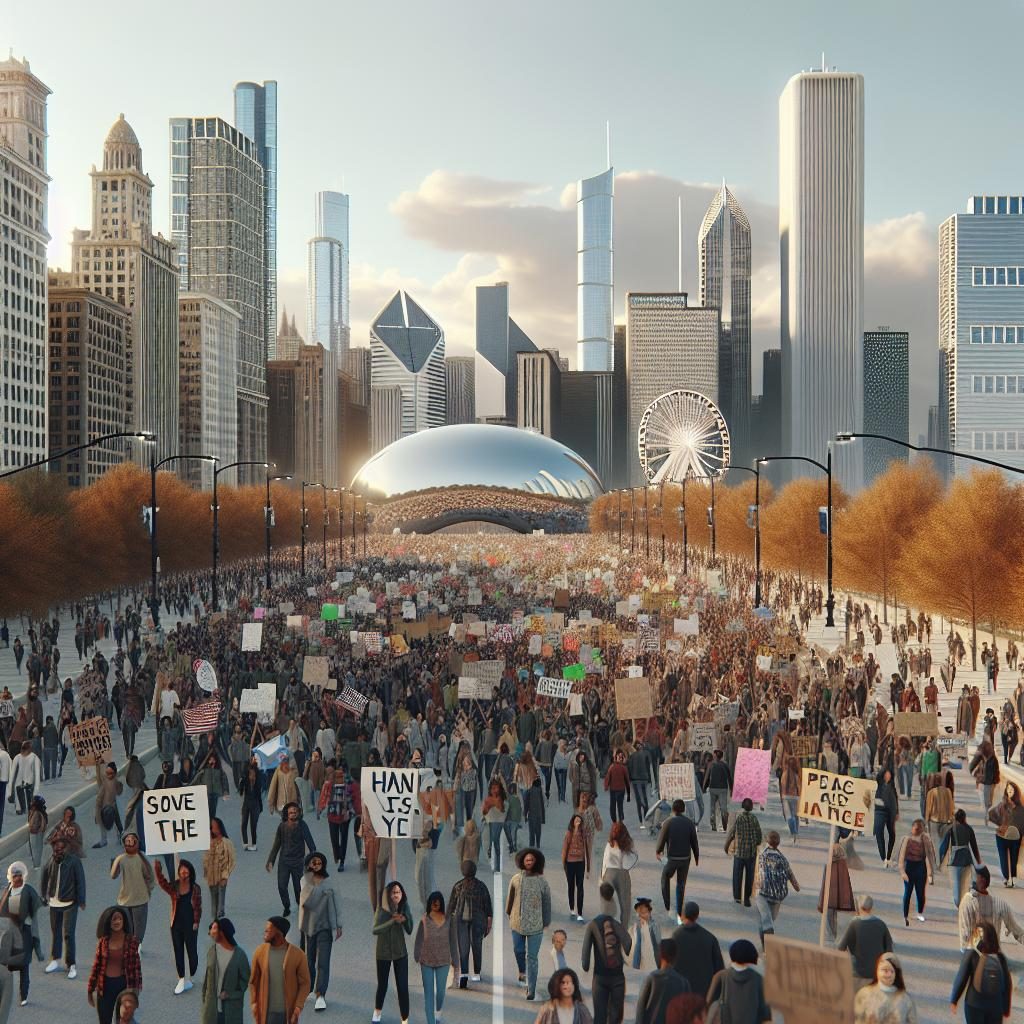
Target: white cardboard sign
390,796
176,820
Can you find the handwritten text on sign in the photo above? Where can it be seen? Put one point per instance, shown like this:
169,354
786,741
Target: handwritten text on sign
176,820
550,687
390,795
836,799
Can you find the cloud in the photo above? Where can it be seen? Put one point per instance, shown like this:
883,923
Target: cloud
525,233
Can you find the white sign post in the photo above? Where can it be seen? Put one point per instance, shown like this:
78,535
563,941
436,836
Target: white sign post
176,820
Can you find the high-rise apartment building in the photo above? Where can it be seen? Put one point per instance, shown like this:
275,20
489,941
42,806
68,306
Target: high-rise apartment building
594,289
821,242
539,403
669,345
120,257
386,409
217,223
981,329
587,423
499,340
208,408
358,364
24,185
256,118
724,264
327,280
88,335
460,374
407,349
886,397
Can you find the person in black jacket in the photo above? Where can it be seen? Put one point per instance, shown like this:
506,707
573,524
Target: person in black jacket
609,943
740,987
698,953
887,813
292,840
962,844
660,987
63,888
988,989
679,835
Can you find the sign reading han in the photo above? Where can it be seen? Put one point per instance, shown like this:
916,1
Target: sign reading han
390,796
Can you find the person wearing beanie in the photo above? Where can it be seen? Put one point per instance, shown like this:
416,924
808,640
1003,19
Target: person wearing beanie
278,1001
740,987
698,952
471,914
319,923
529,912
227,977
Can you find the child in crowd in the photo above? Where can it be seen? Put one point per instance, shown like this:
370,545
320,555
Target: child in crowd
558,941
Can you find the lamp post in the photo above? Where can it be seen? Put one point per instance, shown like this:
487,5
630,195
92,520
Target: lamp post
138,435
327,521
830,604
632,520
341,525
268,513
216,523
647,522
302,559
844,436
154,558
619,492
354,499
756,471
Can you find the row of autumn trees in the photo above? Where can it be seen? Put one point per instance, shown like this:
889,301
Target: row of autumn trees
956,551
60,543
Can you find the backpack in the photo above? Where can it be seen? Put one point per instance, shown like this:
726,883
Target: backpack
988,975
612,946
339,807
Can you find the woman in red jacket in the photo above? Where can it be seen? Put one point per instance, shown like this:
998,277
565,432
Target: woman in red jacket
116,965
616,782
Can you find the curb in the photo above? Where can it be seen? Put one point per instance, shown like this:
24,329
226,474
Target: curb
14,841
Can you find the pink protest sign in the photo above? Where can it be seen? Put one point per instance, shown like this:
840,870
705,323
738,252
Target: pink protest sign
751,776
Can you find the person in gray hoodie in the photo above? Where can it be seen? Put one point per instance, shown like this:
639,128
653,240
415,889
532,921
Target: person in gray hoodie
739,989
320,924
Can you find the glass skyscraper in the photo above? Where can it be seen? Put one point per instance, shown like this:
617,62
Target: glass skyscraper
594,291
886,397
327,310
499,339
256,117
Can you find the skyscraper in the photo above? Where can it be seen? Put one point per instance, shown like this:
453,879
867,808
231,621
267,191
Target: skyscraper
981,329
24,185
594,290
407,349
121,258
821,243
327,281
539,402
669,345
499,339
385,416
217,211
724,257
301,414
460,374
256,118
886,397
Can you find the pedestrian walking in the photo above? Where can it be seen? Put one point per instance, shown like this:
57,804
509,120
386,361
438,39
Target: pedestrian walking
37,822
646,936
137,884
916,860
980,904
618,860
319,924
1008,817
471,916
886,997
186,911
738,989
292,840
866,938
743,838
887,813
391,925
219,863
840,894
116,965
226,980
660,987
677,840
608,942
340,797
698,951
717,783
575,863
534,811
983,980
278,978
63,890
617,784
776,876
250,794
493,811
565,1001
528,907
432,951
108,788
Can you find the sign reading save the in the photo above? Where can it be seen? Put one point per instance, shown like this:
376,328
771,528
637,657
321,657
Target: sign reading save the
176,820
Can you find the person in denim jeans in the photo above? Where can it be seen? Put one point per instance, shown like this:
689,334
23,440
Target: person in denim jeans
560,766
493,810
962,844
529,912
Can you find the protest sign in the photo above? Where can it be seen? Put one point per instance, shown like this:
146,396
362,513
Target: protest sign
750,777
91,741
764,663
310,591
260,700
575,671
726,714
408,610
294,621
474,688
687,626
329,613
703,736
808,983
390,797
576,705
271,752
547,686
953,745
634,671
315,671
836,799
675,781
489,673
916,723
345,576
286,607
474,597
176,820
561,599
796,714
252,636
805,746
206,677
6,708
632,699
534,643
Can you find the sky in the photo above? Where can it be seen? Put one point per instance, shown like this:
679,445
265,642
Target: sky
459,129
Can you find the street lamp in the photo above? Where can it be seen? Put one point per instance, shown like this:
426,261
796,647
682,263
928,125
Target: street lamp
138,435
844,436
154,559
268,513
632,520
830,604
302,562
757,525
327,521
216,522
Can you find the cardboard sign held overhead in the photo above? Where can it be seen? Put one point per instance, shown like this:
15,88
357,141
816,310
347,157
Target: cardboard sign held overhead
633,699
703,736
750,779
474,688
390,797
547,686
836,799
91,741
676,782
916,723
489,673
176,820
315,671
252,636
807,983
261,701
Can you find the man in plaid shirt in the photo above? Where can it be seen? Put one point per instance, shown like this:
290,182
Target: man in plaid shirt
776,876
745,830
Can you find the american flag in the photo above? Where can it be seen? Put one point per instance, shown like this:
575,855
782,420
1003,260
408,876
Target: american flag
203,718
648,637
353,700
373,641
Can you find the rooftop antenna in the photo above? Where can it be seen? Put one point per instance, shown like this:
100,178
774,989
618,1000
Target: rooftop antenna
822,60
680,255
608,141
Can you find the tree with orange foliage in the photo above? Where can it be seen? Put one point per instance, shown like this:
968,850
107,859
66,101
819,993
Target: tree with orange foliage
965,555
790,538
872,531
733,535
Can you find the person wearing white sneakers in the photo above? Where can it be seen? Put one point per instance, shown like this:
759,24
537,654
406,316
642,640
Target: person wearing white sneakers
916,861
186,910
227,977
63,889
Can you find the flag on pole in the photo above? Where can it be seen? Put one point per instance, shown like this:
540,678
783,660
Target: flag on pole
353,700
203,718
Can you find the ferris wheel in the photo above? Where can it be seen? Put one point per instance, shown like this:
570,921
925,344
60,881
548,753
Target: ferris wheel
682,434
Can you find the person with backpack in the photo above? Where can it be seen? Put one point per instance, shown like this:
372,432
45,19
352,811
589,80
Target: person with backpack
984,976
962,844
739,989
609,943
776,875
744,836
340,797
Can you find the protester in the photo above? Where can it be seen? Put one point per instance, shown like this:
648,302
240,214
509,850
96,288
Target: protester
962,844
979,904
291,840
565,1005
620,857
840,893
391,926
739,987
866,938
886,998
63,890
471,914
575,863
744,836
528,907
1008,817
916,861
186,912
226,980
20,902
698,952
319,924
219,863
432,951
776,876
660,987
678,840
137,884
609,944
984,979
116,965
279,977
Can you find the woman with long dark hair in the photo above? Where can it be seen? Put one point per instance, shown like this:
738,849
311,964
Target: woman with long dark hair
250,792
565,1000
1008,817
984,976
887,813
186,910
575,860
116,965
392,923
432,951
886,998
493,810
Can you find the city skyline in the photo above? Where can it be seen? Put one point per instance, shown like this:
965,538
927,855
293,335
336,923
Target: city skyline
420,224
